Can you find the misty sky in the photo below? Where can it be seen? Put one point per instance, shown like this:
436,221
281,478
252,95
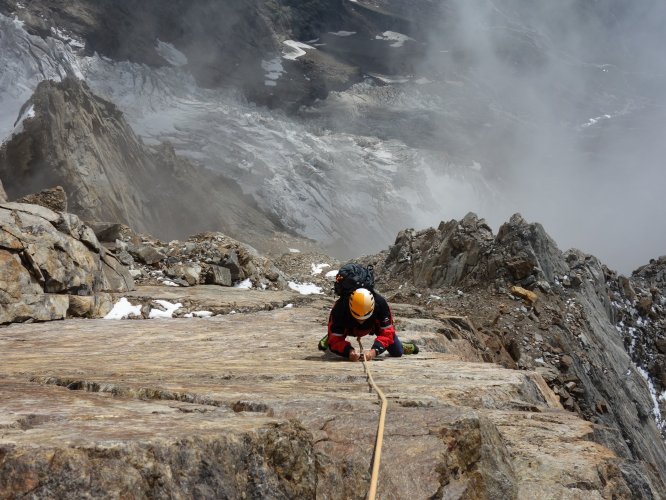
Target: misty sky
568,101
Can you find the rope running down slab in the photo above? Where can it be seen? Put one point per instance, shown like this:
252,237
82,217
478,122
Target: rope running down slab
376,458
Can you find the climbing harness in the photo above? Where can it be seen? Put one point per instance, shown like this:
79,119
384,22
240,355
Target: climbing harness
376,458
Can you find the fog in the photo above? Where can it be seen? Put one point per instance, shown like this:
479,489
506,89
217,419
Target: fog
568,105
551,109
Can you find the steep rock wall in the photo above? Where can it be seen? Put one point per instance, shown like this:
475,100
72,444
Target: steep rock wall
81,142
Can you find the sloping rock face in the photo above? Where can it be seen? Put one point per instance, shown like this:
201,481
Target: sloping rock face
569,333
82,143
48,257
244,405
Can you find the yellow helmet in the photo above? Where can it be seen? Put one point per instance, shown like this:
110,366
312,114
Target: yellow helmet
361,304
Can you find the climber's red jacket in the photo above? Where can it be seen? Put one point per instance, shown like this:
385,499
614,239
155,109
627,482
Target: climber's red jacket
342,324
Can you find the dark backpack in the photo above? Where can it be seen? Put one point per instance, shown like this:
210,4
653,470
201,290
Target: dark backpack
353,276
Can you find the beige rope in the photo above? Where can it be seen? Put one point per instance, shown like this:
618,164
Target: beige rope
376,459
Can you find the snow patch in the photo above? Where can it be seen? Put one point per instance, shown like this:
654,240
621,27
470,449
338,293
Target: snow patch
594,121
387,79
318,268
170,54
342,33
202,314
661,424
398,39
332,274
294,250
72,42
168,313
305,288
18,125
295,49
123,309
274,71
246,284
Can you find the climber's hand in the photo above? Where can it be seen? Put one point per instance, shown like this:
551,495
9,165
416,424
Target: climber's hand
370,354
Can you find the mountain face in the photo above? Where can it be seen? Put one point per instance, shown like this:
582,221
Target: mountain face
397,110
346,122
72,138
575,332
522,387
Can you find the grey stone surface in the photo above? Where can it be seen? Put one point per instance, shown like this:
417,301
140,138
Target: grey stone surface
176,410
45,257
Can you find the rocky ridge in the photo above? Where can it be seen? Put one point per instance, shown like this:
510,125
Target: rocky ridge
463,294
74,139
249,38
565,325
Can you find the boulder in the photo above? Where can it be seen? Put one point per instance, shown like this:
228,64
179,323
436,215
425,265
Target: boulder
54,199
90,306
189,273
218,275
43,253
231,262
146,254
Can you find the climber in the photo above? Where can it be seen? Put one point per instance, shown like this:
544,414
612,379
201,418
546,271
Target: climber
363,312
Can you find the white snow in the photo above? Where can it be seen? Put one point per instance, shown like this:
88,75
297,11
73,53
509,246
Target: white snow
294,250
655,400
305,288
436,297
246,284
342,33
72,42
387,79
295,49
318,268
289,306
398,39
274,70
122,309
18,125
170,54
170,309
332,274
169,283
198,314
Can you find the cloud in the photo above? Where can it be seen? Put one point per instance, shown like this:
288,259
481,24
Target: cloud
562,104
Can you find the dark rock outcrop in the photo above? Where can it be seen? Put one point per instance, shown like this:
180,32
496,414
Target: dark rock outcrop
82,143
226,43
54,199
50,262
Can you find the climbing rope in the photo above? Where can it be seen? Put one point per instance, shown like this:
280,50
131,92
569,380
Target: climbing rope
376,458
